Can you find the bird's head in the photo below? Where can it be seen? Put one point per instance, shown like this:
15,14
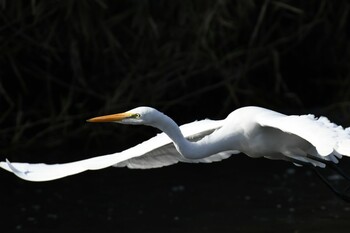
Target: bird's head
136,116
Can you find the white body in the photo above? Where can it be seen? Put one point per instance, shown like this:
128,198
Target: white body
255,131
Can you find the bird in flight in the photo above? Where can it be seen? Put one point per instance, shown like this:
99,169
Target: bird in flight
257,132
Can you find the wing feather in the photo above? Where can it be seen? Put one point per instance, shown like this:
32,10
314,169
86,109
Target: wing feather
155,152
327,137
167,155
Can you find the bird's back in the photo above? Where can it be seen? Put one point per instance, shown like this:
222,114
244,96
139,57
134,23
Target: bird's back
266,133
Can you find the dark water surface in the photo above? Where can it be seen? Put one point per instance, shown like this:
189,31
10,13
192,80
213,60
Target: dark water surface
236,195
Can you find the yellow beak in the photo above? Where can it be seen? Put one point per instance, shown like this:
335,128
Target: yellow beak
111,118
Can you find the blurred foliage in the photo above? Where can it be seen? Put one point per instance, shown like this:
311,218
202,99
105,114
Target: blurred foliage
64,61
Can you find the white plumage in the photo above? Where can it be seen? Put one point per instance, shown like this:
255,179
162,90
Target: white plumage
255,131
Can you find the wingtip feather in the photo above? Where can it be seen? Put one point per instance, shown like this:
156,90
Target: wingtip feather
4,165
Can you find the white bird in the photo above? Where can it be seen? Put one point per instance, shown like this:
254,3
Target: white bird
254,131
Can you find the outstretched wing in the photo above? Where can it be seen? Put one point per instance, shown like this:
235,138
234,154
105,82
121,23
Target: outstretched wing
167,154
155,152
328,138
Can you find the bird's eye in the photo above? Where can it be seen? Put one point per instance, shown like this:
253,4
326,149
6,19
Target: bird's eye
137,115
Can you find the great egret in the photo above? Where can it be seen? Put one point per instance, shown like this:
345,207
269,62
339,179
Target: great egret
254,131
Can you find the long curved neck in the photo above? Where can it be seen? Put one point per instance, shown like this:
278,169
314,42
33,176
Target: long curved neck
191,150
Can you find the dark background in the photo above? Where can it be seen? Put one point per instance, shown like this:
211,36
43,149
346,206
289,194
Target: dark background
62,62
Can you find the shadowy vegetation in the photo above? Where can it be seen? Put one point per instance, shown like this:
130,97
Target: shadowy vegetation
64,61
